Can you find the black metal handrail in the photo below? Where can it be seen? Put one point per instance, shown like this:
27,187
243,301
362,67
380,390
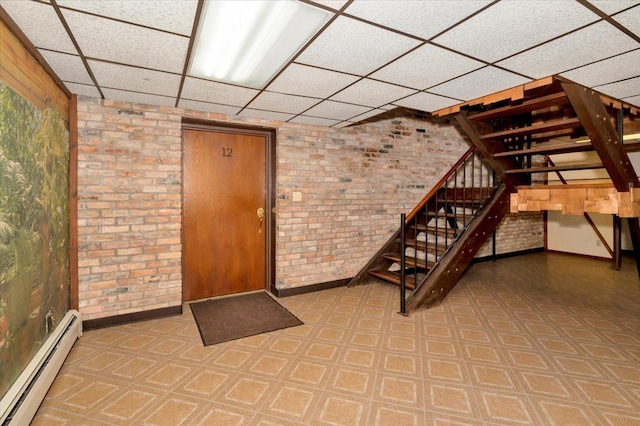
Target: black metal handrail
445,214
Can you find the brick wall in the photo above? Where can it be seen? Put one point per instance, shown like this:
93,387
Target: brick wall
129,206
353,182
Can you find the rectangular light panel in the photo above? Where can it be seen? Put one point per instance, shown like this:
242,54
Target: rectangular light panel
247,42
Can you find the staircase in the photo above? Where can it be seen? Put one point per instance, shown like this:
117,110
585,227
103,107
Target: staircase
438,239
514,140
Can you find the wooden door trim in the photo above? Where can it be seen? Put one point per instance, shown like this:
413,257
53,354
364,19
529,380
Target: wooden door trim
270,184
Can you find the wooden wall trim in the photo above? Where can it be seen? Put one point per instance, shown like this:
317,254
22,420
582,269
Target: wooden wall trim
293,291
24,69
132,317
73,203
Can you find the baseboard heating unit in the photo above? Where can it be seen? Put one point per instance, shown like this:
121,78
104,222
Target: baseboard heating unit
22,400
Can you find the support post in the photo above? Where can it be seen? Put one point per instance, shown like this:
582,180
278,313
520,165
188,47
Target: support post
403,265
617,242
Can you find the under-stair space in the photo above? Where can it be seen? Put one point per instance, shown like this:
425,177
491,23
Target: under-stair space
546,145
436,230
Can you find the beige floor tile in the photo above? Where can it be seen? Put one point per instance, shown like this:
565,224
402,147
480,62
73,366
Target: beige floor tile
342,410
506,408
293,403
382,414
171,410
502,349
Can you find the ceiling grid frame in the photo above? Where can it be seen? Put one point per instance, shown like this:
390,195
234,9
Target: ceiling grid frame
351,88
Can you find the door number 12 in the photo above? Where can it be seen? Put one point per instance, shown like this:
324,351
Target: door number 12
227,152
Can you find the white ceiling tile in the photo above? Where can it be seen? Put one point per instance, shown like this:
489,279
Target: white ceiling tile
139,98
621,89
614,69
283,103
630,19
426,66
208,107
82,89
426,102
303,80
161,14
421,18
369,114
211,91
633,100
129,44
40,24
342,125
333,4
314,121
266,115
479,83
67,67
511,26
372,93
590,44
612,6
355,47
336,110
135,79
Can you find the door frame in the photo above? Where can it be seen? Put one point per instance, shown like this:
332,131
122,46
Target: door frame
270,186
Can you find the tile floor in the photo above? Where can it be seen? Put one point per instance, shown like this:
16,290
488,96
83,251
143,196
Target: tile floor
540,339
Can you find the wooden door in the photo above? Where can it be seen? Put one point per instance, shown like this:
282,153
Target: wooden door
224,186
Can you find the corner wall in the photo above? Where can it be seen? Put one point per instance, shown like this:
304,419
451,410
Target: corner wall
353,183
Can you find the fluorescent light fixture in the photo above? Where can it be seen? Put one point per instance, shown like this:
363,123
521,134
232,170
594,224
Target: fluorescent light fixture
246,42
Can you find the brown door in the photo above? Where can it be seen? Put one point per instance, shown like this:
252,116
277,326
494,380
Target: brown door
224,195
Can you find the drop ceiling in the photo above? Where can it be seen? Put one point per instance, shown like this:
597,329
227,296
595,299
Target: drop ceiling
370,56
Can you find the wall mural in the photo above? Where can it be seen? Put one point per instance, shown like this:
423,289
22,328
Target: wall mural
34,229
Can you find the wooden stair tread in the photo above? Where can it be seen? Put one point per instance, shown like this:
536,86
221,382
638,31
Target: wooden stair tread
566,167
433,230
569,123
409,260
561,148
526,106
392,277
424,245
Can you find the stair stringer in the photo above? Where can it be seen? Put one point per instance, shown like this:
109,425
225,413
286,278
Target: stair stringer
376,261
453,265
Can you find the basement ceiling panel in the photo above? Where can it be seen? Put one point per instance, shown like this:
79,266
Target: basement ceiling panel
355,47
128,44
426,101
423,19
68,67
41,24
140,98
134,79
158,14
304,80
594,43
426,66
368,56
479,83
608,71
511,26
372,93
279,102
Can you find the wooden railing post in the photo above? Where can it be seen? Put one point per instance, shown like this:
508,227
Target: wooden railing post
403,264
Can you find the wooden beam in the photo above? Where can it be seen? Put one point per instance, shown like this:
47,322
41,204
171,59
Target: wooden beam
73,203
634,230
500,165
617,242
604,137
447,273
577,199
